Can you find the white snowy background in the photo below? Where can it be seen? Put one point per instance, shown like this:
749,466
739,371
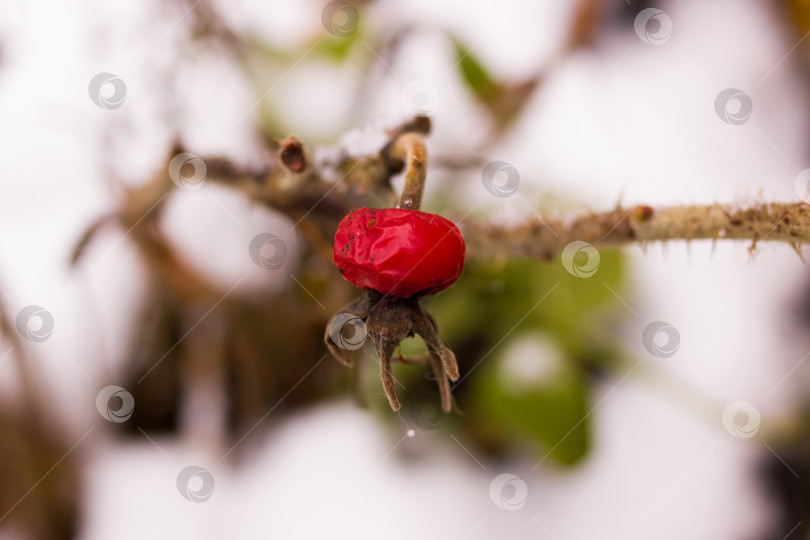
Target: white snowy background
628,121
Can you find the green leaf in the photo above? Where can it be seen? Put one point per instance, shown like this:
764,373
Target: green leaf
475,74
338,49
494,304
490,300
551,414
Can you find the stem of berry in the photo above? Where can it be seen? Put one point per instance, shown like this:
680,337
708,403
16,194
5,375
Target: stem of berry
410,149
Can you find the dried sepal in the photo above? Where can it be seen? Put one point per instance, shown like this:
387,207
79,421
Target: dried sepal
388,321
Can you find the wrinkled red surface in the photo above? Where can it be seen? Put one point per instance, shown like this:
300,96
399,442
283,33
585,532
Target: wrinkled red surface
399,252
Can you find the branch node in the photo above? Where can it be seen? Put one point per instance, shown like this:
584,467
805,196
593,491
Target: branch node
292,154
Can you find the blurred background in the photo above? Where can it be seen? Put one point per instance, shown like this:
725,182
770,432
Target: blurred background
166,274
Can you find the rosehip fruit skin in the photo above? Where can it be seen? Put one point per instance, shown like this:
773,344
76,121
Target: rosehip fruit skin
399,252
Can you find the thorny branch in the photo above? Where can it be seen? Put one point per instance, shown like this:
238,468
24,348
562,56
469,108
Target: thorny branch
786,222
294,186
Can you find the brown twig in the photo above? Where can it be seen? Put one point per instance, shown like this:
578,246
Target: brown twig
407,150
410,148
32,394
786,222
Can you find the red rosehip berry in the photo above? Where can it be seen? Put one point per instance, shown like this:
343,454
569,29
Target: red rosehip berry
399,252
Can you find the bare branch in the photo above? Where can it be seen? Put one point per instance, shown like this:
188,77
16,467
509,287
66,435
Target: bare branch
786,222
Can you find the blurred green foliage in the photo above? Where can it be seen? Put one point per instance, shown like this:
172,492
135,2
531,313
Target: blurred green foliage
474,74
496,304
337,49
